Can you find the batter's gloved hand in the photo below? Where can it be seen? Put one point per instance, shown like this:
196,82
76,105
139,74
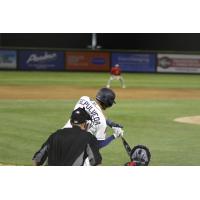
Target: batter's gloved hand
118,132
113,124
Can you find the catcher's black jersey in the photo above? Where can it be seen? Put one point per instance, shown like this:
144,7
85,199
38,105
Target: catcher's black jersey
67,147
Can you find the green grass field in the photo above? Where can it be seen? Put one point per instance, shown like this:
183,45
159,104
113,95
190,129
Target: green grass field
99,79
25,124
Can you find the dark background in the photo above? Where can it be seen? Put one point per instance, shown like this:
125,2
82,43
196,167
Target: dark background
129,41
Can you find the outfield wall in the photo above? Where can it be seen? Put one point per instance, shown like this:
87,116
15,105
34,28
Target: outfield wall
8,59
98,60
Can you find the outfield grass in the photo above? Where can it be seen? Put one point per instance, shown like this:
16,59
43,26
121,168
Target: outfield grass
97,79
25,124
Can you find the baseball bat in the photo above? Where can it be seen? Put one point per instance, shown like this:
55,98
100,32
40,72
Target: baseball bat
126,146
124,142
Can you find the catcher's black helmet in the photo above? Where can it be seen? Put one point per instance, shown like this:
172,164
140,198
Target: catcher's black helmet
106,96
141,155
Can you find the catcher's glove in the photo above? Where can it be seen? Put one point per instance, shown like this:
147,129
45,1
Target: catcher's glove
140,156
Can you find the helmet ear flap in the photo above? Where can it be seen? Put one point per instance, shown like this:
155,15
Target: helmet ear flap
110,102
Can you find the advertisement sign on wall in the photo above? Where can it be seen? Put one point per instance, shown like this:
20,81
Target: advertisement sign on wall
178,63
135,62
8,59
87,61
41,60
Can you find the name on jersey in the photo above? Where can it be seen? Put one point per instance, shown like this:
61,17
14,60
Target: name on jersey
94,115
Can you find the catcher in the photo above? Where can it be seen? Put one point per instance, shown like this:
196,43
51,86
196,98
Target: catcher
140,156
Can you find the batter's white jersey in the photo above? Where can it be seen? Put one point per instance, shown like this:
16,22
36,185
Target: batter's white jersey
98,125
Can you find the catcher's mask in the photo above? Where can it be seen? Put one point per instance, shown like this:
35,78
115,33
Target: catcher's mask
140,155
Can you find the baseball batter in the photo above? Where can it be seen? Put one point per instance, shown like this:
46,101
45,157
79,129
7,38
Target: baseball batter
105,98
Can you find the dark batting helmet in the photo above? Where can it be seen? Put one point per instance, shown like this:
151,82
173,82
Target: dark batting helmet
106,96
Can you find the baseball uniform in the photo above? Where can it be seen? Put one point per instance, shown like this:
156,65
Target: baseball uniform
98,125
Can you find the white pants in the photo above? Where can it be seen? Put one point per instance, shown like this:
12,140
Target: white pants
113,77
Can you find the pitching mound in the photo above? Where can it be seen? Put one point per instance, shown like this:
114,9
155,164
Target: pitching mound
189,120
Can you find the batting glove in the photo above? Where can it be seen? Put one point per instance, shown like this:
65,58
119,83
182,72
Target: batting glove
118,132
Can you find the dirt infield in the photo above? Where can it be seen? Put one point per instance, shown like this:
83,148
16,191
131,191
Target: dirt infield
64,92
189,120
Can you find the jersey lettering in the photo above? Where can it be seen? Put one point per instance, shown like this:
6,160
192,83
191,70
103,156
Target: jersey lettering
91,110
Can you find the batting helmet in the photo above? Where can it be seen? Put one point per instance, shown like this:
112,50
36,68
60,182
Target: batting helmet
106,96
141,155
